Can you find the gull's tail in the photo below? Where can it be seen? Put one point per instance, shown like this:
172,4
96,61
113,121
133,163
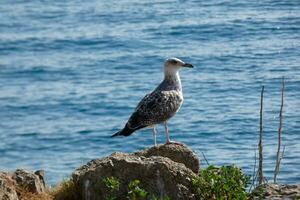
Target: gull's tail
125,132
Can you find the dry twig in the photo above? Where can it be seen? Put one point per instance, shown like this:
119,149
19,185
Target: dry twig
260,147
254,172
278,157
205,159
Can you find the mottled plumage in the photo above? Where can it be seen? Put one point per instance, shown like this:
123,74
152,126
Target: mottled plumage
155,108
159,105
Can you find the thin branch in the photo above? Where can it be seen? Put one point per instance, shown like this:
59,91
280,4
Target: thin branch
276,171
254,170
256,175
205,158
282,154
266,180
260,147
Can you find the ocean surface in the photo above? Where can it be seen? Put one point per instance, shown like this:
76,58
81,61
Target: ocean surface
71,73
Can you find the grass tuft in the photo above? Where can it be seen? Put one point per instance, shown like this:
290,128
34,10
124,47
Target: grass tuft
66,190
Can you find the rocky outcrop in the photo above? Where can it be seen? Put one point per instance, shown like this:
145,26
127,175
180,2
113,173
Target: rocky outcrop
7,188
32,182
178,153
13,184
276,192
163,171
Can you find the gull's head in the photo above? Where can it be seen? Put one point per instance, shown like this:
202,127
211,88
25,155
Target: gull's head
176,63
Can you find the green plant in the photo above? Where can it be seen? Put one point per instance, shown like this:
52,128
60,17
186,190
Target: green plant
159,198
224,183
112,185
135,191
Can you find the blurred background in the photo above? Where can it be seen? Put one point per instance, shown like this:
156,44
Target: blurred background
71,73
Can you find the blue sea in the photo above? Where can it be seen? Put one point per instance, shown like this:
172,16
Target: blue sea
71,73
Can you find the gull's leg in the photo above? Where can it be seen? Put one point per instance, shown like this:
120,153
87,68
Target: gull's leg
168,136
167,132
154,135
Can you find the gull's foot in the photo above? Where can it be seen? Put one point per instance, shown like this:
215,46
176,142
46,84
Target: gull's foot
174,142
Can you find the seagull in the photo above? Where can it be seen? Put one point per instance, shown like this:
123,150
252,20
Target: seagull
160,105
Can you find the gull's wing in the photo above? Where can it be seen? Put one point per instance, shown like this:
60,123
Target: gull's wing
154,108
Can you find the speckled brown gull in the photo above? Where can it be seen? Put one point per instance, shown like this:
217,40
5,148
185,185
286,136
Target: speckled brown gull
161,104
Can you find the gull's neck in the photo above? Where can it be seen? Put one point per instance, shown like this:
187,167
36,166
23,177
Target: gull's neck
172,80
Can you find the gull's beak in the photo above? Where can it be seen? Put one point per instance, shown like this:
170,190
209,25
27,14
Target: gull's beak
187,65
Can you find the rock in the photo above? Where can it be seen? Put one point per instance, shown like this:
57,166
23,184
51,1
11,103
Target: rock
22,184
275,191
177,153
160,176
32,182
7,189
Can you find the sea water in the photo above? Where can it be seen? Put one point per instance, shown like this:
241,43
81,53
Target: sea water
72,72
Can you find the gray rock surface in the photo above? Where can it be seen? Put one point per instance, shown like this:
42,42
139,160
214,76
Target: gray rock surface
178,153
159,175
12,184
7,189
32,182
276,192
